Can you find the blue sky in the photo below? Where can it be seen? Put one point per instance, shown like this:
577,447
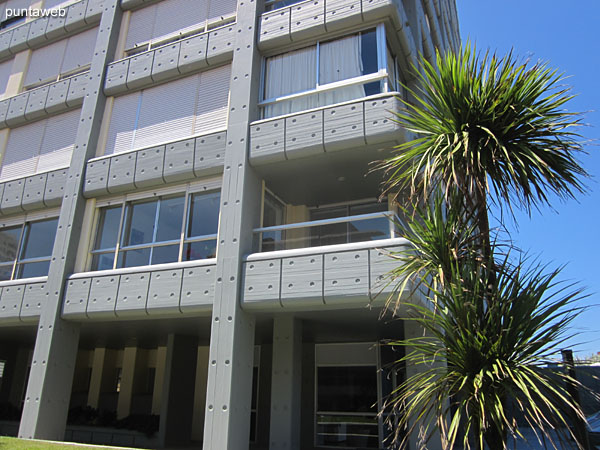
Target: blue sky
567,36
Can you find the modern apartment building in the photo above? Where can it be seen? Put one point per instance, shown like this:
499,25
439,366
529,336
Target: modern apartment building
187,232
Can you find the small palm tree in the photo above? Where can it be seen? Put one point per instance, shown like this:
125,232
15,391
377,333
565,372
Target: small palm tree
490,331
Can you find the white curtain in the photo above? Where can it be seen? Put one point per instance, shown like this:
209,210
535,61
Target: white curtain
340,60
289,73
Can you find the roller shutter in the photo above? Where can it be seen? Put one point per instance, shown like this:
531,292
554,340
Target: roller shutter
58,142
213,100
122,124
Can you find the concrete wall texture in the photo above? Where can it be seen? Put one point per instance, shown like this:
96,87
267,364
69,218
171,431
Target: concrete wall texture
146,148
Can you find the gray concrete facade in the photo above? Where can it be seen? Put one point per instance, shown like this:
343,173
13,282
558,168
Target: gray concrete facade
235,333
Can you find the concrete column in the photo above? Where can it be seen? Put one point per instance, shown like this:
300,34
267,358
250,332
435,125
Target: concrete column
47,399
178,390
130,370
413,330
200,393
228,398
103,367
161,357
286,384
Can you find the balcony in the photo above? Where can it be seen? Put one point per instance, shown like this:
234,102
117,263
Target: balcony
341,263
21,301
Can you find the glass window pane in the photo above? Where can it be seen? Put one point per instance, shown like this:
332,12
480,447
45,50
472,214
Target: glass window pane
204,215
347,389
170,217
369,52
165,254
5,272
291,72
103,261
133,258
36,269
108,228
39,239
200,250
9,242
140,223
340,60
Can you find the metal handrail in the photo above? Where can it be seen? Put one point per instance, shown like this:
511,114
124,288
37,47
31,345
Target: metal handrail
314,223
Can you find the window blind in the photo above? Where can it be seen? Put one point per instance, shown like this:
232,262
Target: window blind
5,69
40,146
193,105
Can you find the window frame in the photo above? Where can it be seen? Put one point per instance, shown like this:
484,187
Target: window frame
18,260
125,202
382,75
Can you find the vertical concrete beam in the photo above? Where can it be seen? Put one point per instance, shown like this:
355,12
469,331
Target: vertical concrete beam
47,399
228,399
413,330
178,390
286,384
161,358
103,369
200,393
131,357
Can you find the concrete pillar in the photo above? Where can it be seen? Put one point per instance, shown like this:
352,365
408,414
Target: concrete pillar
200,393
161,358
100,366
414,330
178,390
47,399
131,369
286,384
228,398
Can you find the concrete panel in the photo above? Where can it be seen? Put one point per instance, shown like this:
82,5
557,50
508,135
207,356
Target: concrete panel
165,62
37,32
210,154
78,89
18,42
302,277
197,289
16,109
304,135
93,11
4,104
55,187
341,14
165,292
76,16
12,196
103,295
346,275
261,283
33,192
179,161
34,300
56,27
275,28
344,127
381,263
76,298
96,178
379,123
220,45
5,39
192,55
57,96
149,167
308,19
140,70
36,103
132,295
121,173
377,9
116,77
267,142
10,302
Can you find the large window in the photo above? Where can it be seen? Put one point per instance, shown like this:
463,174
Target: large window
162,230
329,72
26,250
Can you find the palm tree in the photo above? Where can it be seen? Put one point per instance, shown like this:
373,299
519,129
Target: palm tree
491,128
489,333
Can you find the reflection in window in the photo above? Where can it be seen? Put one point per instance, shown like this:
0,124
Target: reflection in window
346,407
273,215
270,5
26,250
312,75
157,231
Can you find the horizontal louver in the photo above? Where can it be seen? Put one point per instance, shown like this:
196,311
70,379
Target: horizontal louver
190,106
40,146
174,16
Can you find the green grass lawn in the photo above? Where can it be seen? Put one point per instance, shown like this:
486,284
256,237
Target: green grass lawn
7,443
